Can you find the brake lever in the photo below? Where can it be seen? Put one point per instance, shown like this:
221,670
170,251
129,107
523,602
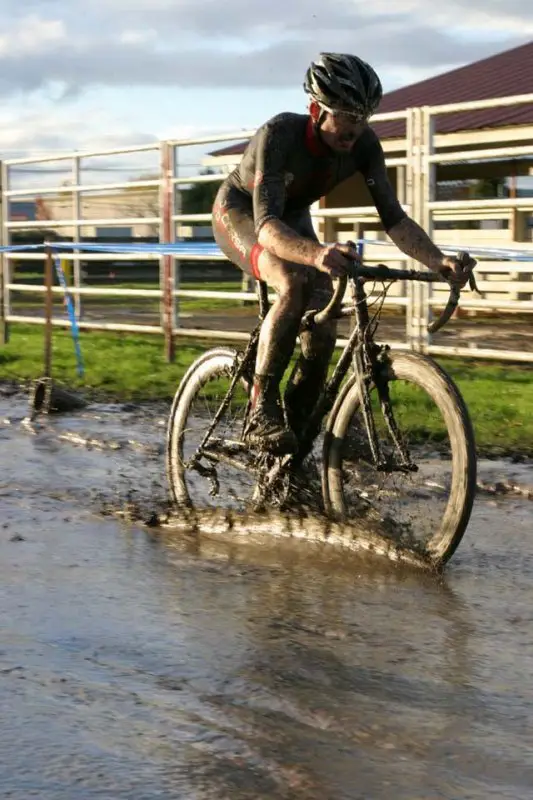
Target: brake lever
453,301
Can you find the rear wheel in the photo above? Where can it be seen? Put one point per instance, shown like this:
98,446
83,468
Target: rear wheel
427,510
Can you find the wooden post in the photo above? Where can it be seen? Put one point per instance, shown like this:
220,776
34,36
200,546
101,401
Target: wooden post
48,273
4,337
4,261
167,277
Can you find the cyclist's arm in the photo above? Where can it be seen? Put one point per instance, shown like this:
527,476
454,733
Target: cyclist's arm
406,234
283,242
273,144
412,240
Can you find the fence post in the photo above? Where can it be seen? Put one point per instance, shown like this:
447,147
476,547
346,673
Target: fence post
3,326
4,265
166,264
77,211
4,338
413,197
48,312
176,206
408,197
428,194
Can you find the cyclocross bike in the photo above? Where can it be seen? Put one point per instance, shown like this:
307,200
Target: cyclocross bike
396,453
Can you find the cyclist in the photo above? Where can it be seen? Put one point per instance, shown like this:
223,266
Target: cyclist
262,223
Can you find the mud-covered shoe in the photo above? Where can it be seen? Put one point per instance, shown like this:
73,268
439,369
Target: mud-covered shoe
268,430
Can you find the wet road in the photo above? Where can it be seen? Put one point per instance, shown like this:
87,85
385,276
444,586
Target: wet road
137,662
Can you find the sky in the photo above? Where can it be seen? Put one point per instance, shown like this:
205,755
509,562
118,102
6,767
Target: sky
89,74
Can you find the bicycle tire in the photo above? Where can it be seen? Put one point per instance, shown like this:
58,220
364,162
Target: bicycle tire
423,372
215,364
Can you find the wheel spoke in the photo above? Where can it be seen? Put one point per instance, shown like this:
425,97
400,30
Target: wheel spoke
428,508
195,411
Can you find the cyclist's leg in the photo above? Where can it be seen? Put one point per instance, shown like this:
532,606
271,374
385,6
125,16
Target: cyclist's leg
234,231
317,345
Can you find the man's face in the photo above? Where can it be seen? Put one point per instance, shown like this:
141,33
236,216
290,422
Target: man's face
340,131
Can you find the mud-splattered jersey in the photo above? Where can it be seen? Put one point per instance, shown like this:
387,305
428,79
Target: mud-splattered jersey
285,168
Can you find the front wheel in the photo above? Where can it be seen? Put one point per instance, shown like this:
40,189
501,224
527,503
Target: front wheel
427,510
220,475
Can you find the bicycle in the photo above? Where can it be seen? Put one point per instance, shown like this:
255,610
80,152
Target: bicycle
419,493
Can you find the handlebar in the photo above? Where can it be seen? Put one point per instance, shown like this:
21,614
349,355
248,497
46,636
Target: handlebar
333,307
383,273
453,300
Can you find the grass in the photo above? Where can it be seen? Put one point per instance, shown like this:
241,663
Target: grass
133,367
500,400
122,366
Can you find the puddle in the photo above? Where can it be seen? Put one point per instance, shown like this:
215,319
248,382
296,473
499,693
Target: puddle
144,662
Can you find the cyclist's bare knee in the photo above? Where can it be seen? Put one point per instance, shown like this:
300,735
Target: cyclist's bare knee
289,280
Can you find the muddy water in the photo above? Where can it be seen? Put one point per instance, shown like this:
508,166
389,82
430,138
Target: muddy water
139,662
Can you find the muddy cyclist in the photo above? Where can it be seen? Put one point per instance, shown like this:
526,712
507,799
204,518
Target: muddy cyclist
262,223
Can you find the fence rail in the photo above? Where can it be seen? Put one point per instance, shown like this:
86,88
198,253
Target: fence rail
505,282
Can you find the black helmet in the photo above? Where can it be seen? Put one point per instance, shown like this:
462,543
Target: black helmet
341,82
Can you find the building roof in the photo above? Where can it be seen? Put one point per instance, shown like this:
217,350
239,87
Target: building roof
501,75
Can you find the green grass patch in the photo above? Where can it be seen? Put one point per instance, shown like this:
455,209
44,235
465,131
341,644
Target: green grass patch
121,366
133,367
500,400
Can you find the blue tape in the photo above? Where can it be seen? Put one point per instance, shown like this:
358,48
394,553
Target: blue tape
184,249
16,248
72,315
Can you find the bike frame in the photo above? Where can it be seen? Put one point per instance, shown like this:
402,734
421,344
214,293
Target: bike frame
369,361
371,368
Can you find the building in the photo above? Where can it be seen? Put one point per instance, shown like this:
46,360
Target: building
137,202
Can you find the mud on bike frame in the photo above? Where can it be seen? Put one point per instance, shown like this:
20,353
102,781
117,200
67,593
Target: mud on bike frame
369,362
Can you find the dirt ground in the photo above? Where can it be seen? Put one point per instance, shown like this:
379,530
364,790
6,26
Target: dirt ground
499,333
140,661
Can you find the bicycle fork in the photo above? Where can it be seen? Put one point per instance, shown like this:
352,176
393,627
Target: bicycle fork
371,364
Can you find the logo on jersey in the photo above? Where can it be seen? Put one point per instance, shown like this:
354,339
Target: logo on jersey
221,215
370,182
258,177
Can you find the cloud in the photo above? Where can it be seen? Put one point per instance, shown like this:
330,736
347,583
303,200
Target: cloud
80,44
38,132
32,36
61,131
57,55
237,19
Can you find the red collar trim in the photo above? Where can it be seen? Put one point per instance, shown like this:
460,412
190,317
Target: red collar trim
312,140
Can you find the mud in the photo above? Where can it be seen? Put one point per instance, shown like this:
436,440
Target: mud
140,661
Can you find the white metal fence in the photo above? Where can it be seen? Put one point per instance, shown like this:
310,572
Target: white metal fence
506,285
